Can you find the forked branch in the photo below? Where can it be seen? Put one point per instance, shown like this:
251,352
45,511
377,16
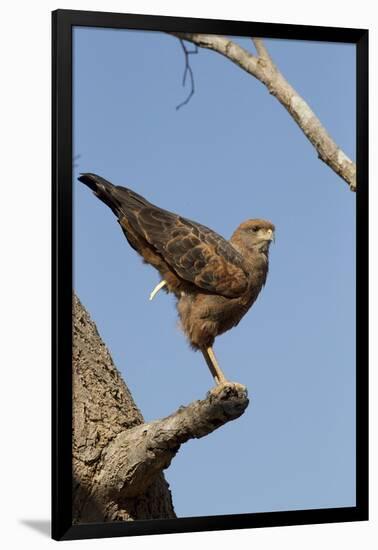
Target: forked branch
263,68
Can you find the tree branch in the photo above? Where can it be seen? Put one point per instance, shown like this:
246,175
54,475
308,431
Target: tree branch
187,70
135,457
118,459
261,49
263,68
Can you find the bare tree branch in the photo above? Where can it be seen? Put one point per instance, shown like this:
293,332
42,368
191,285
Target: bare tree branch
263,68
187,70
134,459
118,459
261,49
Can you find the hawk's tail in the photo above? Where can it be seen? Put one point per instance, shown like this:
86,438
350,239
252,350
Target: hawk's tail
119,199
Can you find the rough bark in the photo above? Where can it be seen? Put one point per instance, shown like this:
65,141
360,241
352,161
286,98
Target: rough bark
263,68
118,459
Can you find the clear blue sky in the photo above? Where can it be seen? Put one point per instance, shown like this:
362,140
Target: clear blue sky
231,154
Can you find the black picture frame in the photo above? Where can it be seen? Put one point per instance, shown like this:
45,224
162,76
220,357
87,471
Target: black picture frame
62,23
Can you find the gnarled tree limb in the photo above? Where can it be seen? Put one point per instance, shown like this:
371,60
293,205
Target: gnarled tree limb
134,459
118,459
263,68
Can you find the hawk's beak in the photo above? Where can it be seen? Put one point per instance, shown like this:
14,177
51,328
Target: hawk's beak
271,235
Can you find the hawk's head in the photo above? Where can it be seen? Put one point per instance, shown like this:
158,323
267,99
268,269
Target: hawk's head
254,234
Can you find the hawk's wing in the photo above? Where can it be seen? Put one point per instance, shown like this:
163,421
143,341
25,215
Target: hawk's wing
195,252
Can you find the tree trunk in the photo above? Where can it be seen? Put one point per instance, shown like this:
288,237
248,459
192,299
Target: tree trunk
118,460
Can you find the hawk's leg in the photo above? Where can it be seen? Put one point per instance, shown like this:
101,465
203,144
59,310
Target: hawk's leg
212,363
157,288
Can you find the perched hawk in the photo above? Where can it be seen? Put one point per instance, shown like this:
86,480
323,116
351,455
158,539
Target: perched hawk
214,280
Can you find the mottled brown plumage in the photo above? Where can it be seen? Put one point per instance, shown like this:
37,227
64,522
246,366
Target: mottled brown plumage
214,280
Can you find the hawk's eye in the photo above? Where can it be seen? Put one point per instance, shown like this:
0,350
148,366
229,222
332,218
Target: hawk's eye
254,229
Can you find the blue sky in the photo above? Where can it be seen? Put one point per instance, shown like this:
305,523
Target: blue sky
231,154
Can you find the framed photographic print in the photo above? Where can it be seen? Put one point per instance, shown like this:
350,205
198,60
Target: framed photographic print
210,219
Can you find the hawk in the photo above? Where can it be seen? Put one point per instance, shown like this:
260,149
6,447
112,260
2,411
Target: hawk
215,281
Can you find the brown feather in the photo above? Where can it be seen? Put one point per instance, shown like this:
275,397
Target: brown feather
215,281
